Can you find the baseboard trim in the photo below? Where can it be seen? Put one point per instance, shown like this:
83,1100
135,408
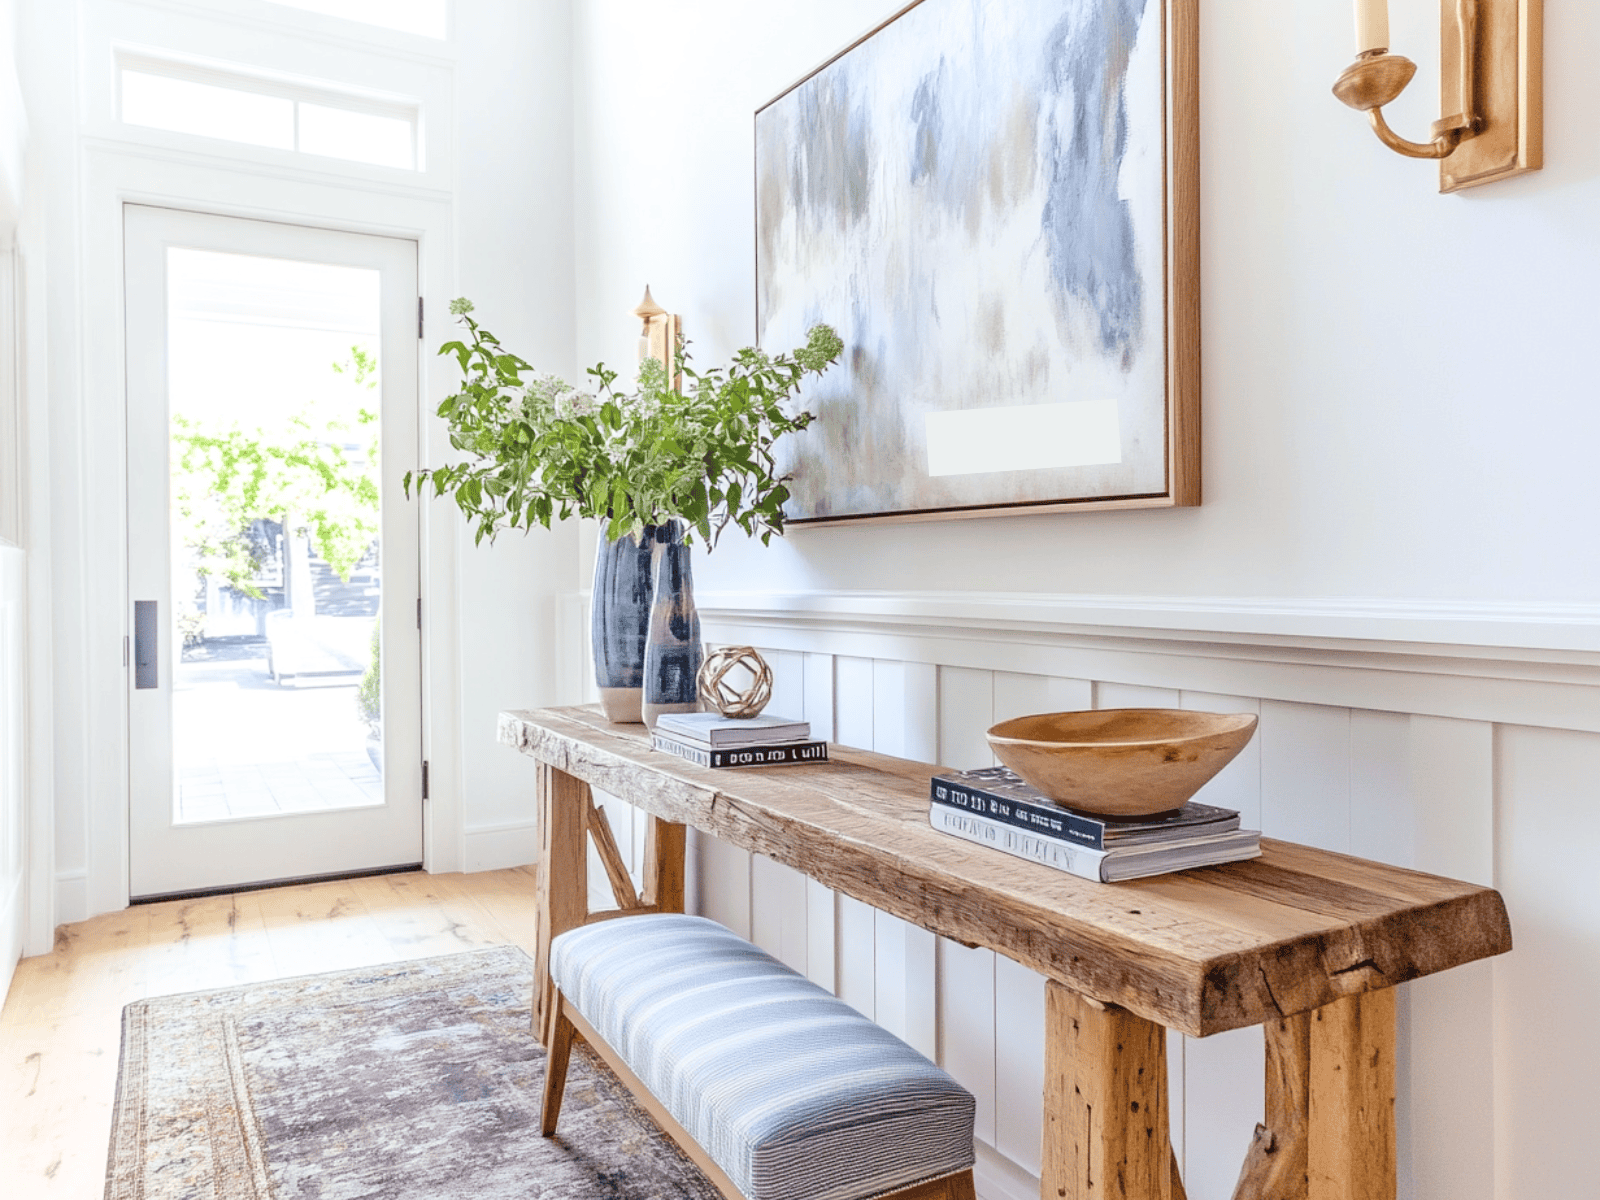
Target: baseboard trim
495,847
996,1177
11,936
72,897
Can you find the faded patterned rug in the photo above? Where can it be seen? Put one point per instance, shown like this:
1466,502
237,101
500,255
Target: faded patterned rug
415,1079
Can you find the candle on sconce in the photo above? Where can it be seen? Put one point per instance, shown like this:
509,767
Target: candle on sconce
1372,25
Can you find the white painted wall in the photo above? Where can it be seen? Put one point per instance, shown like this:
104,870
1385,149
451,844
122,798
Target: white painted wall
15,817
1393,380
492,214
515,261
1390,565
13,740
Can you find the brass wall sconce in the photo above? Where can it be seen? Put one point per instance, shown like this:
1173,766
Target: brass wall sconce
1491,77
660,335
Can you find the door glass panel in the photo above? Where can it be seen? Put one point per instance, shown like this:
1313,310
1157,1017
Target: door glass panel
274,419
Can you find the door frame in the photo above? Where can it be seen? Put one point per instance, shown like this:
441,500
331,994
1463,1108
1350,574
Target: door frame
170,859
95,702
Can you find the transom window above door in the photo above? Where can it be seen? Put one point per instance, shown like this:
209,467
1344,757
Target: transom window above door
426,18
206,100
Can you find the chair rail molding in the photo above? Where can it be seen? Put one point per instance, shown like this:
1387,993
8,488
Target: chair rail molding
1531,664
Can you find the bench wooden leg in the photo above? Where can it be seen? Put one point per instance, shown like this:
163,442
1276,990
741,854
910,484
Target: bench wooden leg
555,1069
1105,1132
946,1187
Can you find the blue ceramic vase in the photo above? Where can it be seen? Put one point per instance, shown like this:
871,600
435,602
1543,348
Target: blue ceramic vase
624,581
673,651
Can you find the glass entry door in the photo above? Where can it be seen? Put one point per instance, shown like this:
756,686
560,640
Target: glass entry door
274,665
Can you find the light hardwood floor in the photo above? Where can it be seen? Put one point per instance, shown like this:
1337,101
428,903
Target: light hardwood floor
60,1030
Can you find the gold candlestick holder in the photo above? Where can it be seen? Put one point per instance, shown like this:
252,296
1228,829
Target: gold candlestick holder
1490,84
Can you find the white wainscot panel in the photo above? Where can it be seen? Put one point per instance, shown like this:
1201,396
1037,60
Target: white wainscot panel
1382,811
1547,1040
822,926
818,695
853,703
904,987
1305,774
778,911
905,709
966,710
966,1026
788,683
1022,695
1019,1062
1446,819
724,882
1134,695
855,956
1490,1105
1238,785
1224,1098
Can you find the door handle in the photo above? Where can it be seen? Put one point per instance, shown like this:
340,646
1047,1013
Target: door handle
145,626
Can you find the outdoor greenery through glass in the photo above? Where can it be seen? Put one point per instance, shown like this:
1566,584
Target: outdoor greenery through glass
539,449
288,471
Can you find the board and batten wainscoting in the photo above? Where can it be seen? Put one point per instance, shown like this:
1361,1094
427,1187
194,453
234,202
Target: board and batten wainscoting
1452,739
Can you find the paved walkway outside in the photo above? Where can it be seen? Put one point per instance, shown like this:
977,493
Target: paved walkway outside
245,747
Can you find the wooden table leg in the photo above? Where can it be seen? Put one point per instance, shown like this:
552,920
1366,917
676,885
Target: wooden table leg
1351,1151
664,850
563,880
1330,1106
1106,1135
1275,1167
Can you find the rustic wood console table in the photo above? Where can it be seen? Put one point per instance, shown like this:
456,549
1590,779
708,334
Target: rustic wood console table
1306,943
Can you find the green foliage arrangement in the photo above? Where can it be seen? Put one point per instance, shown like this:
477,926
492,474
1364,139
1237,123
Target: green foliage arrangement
229,477
369,692
538,449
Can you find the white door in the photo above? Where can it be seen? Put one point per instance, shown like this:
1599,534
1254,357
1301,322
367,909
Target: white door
274,659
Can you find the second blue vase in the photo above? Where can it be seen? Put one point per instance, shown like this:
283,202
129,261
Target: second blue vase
673,652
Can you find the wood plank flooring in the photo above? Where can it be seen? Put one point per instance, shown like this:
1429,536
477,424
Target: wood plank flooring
61,1026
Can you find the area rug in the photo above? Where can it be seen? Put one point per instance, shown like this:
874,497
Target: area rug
416,1079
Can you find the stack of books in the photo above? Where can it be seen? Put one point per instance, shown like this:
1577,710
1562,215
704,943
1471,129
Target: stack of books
713,740
995,807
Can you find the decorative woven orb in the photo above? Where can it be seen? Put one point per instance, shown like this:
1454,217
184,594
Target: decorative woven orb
736,681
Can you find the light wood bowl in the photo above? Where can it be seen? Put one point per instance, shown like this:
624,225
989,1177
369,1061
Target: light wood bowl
1121,762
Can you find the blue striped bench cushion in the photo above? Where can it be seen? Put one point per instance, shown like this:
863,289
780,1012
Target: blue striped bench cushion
789,1090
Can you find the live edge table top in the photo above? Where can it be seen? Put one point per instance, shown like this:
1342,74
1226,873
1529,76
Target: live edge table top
1199,951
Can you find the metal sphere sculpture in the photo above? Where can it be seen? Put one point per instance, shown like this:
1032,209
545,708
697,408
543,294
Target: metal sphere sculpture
743,695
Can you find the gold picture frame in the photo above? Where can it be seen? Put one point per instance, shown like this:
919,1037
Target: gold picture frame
927,191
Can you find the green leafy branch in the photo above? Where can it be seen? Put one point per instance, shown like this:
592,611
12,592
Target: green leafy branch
538,449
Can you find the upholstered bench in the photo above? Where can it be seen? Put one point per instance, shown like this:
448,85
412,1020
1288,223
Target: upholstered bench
777,1090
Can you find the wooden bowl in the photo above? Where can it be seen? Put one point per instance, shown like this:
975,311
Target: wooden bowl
1121,762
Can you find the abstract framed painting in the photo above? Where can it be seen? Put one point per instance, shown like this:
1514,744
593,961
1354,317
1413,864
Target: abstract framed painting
996,205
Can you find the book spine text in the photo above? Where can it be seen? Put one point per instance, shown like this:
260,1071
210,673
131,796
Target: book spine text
1057,824
1051,852
749,756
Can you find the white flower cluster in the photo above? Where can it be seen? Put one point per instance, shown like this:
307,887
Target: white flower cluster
577,404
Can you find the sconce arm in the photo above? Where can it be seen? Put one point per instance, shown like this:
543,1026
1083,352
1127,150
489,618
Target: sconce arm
1447,135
